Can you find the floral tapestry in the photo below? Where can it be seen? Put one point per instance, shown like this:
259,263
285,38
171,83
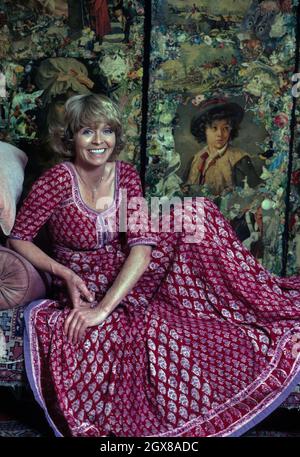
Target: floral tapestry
233,57
52,50
225,66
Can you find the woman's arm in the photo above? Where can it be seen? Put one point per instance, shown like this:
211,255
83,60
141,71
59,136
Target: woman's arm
38,258
45,196
42,261
132,270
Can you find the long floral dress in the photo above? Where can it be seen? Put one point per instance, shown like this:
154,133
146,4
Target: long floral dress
206,343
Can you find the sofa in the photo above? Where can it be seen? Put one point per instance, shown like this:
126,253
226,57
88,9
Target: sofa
20,283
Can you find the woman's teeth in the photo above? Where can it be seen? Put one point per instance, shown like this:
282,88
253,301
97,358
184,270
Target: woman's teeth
97,151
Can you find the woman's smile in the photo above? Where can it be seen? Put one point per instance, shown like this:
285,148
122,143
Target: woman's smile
97,151
94,143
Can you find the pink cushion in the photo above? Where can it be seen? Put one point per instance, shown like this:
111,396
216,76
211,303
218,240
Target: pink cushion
20,282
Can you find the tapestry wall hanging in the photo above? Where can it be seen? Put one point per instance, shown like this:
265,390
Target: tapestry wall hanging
52,50
220,105
220,102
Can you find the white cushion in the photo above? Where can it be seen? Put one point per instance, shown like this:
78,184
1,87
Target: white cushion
12,165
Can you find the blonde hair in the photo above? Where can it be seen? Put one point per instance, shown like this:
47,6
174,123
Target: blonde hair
82,111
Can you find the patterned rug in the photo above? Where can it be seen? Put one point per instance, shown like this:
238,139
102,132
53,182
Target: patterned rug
271,433
15,429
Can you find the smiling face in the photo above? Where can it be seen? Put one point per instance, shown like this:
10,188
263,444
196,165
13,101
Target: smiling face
94,144
217,134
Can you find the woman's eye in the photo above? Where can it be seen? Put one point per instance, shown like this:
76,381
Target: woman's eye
108,131
87,131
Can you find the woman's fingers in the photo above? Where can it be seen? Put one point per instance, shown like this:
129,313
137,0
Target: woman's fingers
72,329
81,290
79,327
74,326
70,325
67,324
79,320
77,289
81,332
85,291
75,296
76,331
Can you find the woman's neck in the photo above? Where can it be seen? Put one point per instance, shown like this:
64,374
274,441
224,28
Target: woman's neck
92,174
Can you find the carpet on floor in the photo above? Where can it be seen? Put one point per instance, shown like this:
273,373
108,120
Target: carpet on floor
16,429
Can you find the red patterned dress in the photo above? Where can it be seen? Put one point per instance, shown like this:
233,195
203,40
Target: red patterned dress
206,343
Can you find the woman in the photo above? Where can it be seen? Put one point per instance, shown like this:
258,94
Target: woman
151,335
219,165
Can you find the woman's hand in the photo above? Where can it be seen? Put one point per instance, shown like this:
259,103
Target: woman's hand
77,289
80,319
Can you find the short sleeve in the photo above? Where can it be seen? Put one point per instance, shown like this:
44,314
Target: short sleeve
45,195
138,215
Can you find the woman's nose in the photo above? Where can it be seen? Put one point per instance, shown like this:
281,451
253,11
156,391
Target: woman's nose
97,138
